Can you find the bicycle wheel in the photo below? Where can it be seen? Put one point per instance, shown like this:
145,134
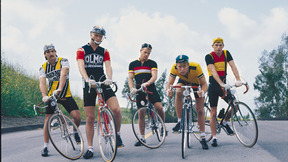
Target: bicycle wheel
106,135
196,128
62,133
244,125
184,131
148,124
191,123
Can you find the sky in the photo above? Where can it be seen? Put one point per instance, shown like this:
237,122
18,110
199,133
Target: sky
172,28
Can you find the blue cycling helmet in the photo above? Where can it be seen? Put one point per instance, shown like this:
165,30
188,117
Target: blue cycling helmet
182,58
99,30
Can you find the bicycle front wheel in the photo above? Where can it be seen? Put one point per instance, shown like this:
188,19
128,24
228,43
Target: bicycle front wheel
106,135
184,132
244,124
65,136
196,128
148,124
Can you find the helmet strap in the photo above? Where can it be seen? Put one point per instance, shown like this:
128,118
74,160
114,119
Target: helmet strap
96,43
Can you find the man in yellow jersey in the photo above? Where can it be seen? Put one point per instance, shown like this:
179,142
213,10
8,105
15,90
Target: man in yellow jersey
56,70
217,69
189,74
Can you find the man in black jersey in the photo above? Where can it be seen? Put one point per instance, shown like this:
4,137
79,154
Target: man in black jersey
145,71
91,59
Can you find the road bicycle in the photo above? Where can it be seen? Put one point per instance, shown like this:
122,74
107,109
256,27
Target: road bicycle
243,120
148,123
106,125
188,124
62,131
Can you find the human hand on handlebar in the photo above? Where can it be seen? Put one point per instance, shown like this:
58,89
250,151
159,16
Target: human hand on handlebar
225,86
45,98
238,83
169,92
145,84
133,91
108,82
56,92
91,82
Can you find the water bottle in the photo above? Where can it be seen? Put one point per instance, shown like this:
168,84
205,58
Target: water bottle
221,113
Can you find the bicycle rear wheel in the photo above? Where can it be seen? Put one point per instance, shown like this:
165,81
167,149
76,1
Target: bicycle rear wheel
244,125
146,122
106,135
62,133
196,128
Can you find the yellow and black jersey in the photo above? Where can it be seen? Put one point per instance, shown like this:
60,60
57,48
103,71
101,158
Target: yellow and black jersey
52,73
194,74
143,71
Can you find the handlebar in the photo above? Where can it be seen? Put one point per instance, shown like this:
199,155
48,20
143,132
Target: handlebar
231,86
98,85
36,108
143,89
185,87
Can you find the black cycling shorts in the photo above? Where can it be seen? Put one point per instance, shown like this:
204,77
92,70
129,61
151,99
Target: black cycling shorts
153,98
214,92
68,103
193,84
90,98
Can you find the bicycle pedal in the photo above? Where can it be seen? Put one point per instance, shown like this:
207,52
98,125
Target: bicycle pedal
55,128
176,132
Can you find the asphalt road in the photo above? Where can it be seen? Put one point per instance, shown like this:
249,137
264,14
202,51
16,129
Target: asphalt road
272,146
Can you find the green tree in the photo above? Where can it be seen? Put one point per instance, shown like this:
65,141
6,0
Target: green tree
272,83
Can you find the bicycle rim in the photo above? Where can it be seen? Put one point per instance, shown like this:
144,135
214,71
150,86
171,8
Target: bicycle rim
106,135
62,136
149,124
184,133
245,125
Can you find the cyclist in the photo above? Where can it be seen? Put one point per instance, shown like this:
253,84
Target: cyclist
56,70
217,69
145,70
91,58
189,74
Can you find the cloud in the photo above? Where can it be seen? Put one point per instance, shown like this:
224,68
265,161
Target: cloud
249,33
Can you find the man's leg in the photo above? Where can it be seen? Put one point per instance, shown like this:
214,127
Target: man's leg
160,111
90,118
113,104
213,122
200,113
75,114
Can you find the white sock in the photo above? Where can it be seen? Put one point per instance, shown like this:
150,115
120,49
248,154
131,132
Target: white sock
202,135
142,136
179,119
46,145
118,133
90,148
214,138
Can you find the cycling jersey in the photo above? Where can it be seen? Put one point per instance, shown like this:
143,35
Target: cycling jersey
142,72
93,60
194,74
93,64
52,73
220,63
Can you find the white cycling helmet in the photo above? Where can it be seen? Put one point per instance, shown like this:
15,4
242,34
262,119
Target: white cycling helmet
99,30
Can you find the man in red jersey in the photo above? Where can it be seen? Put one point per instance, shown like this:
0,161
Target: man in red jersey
217,69
91,58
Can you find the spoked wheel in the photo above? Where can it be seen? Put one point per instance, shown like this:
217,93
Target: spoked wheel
184,131
148,124
244,125
196,128
65,136
106,135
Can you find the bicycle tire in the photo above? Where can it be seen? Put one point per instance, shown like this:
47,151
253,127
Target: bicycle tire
61,134
244,125
106,135
151,127
184,132
196,128
190,125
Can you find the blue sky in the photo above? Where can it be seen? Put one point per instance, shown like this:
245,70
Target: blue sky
183,27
